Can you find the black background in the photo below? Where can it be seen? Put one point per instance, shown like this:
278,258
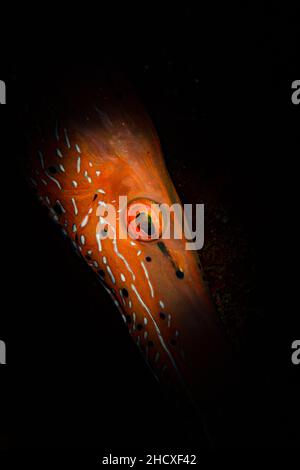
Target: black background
217,84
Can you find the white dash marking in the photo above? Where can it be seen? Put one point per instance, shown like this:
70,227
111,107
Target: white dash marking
75,207
74,183
78,164
156,328
147,277
53,179
56,131
59,154
85,221
61,206
134,319
67,138
122,297
98,238
41,159
111,274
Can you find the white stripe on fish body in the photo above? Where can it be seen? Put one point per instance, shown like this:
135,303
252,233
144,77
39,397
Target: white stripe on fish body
147,277
85,221
67,139
122,297
75,207
61,206
41,159
53,179
157,330
111,274
56,131
98,238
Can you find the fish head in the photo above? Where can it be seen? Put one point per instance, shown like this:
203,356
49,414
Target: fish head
104,180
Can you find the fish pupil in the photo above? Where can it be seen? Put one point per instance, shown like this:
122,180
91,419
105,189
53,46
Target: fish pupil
145,223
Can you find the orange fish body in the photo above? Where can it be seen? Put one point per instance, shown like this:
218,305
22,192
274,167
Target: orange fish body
89,154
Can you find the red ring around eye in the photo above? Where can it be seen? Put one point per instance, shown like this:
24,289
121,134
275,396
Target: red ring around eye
144,220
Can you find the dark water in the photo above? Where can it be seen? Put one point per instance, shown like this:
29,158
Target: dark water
214,87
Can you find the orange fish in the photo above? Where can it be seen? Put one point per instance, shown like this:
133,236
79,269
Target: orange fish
93,150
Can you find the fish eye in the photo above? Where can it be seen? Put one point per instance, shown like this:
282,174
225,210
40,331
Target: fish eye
144,220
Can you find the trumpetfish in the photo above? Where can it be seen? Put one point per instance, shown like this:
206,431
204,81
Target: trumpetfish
93,149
